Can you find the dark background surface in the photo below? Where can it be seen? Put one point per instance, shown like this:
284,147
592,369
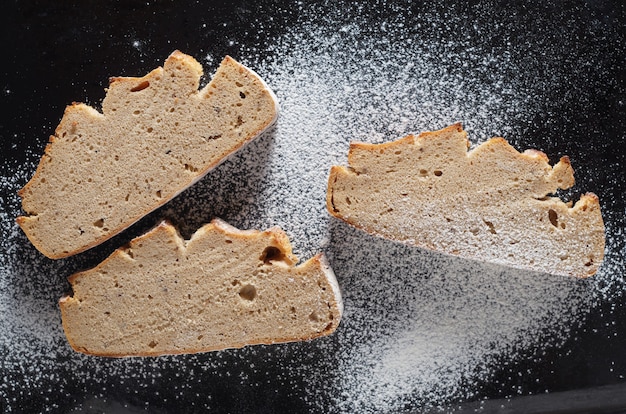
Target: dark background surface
58,52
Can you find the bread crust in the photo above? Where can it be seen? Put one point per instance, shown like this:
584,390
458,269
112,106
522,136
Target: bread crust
159,132
491,203
94,330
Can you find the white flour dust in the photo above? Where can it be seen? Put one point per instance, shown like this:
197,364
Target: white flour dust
420,329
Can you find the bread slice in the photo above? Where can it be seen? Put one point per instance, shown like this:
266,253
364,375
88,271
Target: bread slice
223,288
490,204
156,136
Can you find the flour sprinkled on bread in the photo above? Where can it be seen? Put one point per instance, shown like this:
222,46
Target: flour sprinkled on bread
492,203
156,136
223,288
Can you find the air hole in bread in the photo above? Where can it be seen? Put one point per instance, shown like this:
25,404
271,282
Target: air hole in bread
248,292
474,231
314,317
438,173
423,173
149,129
239,84
153,344
143,85
158,194
332,203
554,218
270,254
239,122
348,200
136,112
242,95
492,229
228,241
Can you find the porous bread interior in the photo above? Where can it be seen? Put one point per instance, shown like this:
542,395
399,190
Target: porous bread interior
487,204
223,288
156,135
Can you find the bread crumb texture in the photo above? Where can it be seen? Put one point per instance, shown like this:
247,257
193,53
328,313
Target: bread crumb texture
223,288
156,136
491,203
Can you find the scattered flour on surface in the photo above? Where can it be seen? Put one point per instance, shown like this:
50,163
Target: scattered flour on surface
420,329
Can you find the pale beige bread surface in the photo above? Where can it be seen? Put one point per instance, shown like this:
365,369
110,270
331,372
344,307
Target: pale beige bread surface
491,203
156,136
223,288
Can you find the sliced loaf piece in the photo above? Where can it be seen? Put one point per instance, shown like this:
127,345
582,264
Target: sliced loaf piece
156,136
492,203
223,288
